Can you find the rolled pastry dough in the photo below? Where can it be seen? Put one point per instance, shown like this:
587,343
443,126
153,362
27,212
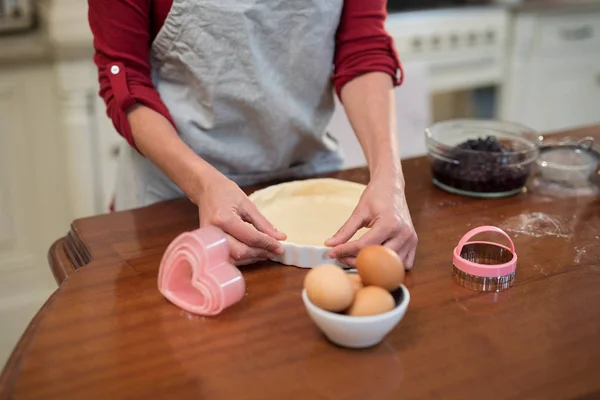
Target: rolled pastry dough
309,211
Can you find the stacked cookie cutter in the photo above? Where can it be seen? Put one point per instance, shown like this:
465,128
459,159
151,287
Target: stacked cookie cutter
195,273
484,266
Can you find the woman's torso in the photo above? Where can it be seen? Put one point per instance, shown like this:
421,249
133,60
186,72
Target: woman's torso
248,83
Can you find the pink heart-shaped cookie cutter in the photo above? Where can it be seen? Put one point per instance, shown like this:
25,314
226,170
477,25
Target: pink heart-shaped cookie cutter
195,273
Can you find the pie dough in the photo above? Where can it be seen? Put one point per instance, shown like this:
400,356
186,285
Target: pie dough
309,211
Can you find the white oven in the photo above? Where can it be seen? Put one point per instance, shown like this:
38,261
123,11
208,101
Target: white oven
454,62
464,51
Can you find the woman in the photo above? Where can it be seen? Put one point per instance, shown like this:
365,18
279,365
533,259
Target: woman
216,94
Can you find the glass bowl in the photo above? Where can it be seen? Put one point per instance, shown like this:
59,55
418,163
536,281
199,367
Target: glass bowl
569,161
481,158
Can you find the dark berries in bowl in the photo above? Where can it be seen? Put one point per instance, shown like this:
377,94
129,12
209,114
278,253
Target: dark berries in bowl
489,144
481,158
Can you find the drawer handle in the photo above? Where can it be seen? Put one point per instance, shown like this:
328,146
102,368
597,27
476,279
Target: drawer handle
585,32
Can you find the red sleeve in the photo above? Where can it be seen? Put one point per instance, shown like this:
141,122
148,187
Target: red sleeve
122,38
363,44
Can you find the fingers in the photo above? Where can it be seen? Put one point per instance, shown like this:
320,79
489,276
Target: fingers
349,261
349,229
405,246
406,254
399,237
254,216
377,235
408,251
410,258
242,254
247,262
247,234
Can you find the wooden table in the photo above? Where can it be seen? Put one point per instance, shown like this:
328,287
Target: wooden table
107,333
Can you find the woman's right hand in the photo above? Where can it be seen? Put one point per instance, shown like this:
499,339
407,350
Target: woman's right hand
251,237
220,201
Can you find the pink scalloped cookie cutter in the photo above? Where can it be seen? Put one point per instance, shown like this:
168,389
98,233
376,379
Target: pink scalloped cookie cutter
485,270
195,273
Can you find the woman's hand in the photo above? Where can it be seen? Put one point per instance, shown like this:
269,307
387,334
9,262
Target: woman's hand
251,237
369,101
220,201
383,209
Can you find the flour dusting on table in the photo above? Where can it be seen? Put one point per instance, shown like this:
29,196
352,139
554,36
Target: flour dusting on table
537,224
583,257
555,190
579,254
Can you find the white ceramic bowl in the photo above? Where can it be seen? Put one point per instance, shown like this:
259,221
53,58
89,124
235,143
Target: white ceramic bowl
358,332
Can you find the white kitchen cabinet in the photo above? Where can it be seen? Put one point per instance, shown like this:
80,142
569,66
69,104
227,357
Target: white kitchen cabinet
560,96
553,79
34,206
109,145
90,137
88,134
33,200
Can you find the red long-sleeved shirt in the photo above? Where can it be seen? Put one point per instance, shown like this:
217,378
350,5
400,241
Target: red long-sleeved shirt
124,30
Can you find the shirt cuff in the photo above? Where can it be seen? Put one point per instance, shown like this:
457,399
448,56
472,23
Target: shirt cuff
126,95
118,82
384,60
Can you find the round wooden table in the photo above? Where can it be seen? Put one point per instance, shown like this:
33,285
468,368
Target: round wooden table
107,333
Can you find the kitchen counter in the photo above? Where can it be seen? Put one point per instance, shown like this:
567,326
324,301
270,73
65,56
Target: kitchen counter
108,333
25,47
559,5
61,33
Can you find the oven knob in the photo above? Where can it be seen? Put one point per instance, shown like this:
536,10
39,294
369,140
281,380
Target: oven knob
417,44
454,39
472,38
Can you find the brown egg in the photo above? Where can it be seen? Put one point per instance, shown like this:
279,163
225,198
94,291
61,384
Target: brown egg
371,300
380,266
356,282
328,287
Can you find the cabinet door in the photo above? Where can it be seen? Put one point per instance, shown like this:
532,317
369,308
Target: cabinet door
553,78
109,145
33,206
555,96
564,97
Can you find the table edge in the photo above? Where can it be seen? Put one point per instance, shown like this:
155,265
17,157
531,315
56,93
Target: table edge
66,255
11,369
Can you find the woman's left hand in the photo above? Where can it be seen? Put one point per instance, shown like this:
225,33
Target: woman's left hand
383,209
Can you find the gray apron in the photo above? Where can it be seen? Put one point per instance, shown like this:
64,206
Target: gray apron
248,83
